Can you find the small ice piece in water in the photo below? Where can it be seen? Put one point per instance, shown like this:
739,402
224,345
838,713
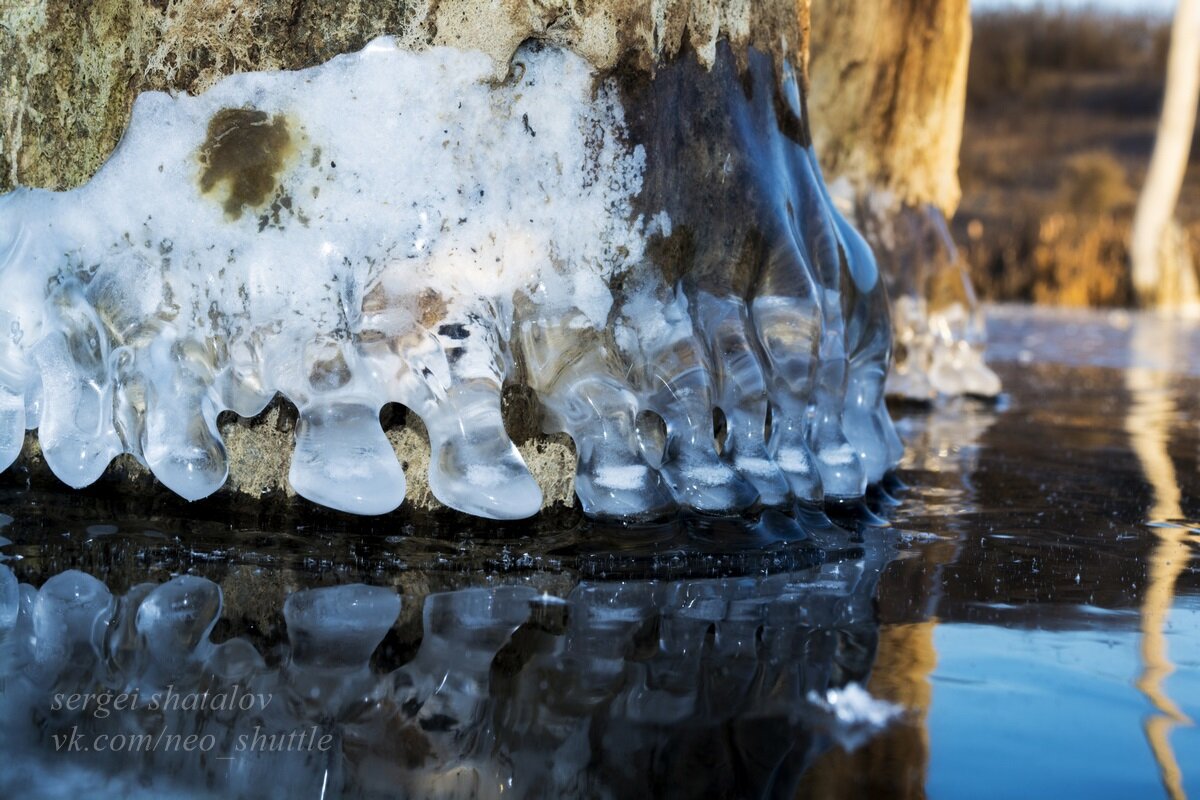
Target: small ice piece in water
854,716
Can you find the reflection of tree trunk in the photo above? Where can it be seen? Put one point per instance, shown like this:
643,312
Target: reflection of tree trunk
894,763
1161,274
1148,424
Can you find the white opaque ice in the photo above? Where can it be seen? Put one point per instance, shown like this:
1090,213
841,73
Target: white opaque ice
12,426
408,175
428,236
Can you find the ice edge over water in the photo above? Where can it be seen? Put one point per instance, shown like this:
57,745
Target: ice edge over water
395,227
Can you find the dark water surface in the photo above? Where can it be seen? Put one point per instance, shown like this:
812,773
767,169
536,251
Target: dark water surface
1028,626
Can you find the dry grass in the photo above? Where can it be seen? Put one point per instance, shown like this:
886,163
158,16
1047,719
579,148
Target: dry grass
1061,119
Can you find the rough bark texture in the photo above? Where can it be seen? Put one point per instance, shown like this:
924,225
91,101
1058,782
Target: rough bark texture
73,69
887,95
887,101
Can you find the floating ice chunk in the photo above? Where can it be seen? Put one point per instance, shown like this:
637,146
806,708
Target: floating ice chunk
956,367
936,317
854,715
339,627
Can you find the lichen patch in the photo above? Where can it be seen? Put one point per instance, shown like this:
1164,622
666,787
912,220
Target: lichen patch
243,155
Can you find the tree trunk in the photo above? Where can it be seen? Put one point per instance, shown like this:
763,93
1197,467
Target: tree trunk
1161,274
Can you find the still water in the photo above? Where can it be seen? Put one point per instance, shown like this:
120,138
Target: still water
1027,625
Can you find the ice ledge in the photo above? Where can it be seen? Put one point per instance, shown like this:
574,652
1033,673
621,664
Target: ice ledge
259,452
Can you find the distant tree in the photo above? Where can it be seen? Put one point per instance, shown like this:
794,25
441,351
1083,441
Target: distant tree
1162,274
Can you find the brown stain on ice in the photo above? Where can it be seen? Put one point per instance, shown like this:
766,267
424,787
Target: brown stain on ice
243,155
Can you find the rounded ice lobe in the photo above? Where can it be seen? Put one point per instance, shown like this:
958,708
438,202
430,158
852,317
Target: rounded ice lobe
343,460
70,618
175,620
339,627
10,599
396,227
447,682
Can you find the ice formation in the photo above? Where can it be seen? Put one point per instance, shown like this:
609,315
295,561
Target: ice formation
938,326
610,691
398,227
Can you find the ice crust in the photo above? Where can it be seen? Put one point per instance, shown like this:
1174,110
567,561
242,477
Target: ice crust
397,227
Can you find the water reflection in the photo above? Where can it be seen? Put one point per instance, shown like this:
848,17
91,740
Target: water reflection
1152,410
942,453
715,687
1009,608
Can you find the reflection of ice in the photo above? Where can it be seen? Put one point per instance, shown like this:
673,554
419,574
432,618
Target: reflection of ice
10,598
943,451
70,615
620,689
174,622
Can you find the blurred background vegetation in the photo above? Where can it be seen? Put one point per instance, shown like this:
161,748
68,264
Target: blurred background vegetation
1062,111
